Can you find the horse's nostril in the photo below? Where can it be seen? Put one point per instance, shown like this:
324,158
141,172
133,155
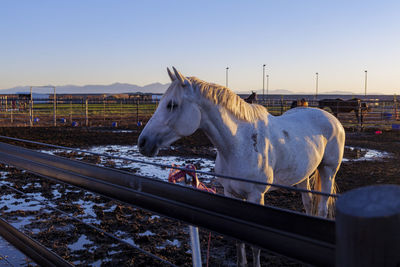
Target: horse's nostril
142,142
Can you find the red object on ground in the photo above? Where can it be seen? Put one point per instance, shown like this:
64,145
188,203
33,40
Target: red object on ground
378,132
180,175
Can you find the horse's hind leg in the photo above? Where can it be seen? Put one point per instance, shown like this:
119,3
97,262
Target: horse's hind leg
327,176
306,197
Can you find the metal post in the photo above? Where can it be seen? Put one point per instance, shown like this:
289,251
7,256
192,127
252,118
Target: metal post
195,245
55,107
226,82
263,82
267,88
121,110
137,112
86,113
367,227
11,111
365,84
104,109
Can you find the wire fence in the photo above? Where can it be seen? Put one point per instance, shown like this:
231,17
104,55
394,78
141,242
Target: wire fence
128,112
75,112
373,113
240,179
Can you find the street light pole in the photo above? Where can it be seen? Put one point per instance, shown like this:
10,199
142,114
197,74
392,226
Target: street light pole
226,82
263,81
365,83
267,84
316,85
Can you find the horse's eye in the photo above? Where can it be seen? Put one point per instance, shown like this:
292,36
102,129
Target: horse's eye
171,105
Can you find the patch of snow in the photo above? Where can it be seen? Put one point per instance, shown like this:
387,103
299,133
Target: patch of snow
82,241
147,233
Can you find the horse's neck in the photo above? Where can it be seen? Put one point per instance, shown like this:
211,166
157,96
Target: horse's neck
220,126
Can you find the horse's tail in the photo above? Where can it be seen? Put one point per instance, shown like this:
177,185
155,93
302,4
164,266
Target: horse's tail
332,201
316,186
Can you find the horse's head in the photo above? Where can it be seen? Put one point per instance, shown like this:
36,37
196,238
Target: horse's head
365,107
177,115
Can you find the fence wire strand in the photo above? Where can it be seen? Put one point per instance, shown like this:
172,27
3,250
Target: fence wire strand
290,188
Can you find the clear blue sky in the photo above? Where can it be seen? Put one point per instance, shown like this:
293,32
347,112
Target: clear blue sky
102,42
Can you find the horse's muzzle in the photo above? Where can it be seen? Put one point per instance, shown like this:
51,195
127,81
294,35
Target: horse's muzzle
147,146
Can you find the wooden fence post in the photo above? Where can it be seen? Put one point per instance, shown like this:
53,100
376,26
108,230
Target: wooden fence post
31,112
11,112
368,227
137,112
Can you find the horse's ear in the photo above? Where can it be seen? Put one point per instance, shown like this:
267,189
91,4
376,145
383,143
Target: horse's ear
171,76
180,77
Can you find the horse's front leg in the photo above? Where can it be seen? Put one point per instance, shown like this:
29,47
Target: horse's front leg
357,116
240,247
362,118
257,198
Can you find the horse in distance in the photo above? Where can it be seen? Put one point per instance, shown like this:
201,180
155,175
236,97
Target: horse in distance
251,98
339,105
299,103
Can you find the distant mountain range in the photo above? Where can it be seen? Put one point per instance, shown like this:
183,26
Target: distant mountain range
119,88
115,88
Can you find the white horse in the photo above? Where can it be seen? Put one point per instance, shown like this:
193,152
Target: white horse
251,143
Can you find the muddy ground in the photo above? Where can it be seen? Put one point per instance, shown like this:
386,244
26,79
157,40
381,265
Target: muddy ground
59,232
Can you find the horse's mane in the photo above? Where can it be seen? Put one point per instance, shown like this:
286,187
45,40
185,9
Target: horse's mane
221,95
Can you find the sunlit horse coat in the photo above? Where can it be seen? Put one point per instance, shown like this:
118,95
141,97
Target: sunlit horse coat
251,143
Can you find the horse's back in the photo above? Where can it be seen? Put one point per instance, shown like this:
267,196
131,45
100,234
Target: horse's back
310,121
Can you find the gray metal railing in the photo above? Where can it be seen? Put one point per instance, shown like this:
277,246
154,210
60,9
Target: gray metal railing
284,232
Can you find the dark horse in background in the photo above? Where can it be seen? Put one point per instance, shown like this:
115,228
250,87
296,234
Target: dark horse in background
339,105
251,98
299,103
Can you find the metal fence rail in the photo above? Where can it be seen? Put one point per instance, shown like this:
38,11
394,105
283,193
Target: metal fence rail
285,232
30,247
